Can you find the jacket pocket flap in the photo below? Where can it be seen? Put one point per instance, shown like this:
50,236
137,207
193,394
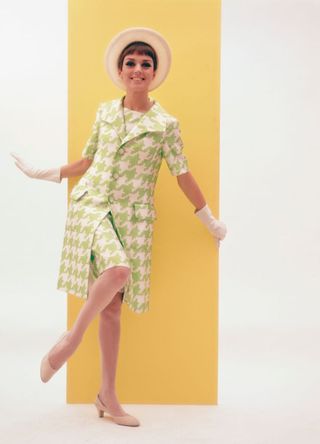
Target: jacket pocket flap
144,211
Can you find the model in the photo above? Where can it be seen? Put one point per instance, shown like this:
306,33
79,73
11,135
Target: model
106,253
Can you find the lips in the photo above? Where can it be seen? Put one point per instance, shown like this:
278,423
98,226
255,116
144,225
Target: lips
137,78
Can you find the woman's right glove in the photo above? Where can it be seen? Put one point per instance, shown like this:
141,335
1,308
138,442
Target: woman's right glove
35,173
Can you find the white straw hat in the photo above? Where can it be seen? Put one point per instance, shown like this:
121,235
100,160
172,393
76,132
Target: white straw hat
129,35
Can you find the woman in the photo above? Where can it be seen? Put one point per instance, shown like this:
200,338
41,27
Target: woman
106,255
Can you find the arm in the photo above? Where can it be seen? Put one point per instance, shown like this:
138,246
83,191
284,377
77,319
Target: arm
178,165
191,189
76,168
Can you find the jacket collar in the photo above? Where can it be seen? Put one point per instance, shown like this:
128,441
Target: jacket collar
153,120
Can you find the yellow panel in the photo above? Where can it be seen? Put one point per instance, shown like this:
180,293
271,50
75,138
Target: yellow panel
169,354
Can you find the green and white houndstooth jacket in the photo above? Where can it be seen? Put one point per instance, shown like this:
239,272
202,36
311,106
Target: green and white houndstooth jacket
121,179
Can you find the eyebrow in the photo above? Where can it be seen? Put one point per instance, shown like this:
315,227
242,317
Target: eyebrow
144,60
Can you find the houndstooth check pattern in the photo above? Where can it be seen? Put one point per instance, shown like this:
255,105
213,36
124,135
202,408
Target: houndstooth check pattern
121,179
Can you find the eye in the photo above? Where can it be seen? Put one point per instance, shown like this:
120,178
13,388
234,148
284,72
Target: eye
144,64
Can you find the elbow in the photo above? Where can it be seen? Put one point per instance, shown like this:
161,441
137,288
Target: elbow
86,164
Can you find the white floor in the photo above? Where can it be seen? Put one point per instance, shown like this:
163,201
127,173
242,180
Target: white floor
268,393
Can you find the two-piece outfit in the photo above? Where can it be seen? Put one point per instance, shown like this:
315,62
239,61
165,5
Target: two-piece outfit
111,211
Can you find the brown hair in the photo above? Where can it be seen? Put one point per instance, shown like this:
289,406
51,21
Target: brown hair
140,48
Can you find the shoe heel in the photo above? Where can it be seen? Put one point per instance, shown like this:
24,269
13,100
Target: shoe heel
100,412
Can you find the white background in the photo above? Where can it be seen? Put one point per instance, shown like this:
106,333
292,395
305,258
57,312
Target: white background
269,199
270,156
33,109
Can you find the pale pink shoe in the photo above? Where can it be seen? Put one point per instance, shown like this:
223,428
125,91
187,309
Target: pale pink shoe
127,420
46,371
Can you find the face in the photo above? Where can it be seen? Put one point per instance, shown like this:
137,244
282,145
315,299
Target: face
137,71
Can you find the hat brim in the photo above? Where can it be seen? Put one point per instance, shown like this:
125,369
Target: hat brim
147,35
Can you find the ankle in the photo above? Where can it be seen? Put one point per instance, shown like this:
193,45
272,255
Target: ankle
73,340
107,392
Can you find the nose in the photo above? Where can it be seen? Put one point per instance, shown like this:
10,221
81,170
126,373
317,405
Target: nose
137,68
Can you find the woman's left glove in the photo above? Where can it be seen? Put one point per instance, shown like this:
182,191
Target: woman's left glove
35,173
216,227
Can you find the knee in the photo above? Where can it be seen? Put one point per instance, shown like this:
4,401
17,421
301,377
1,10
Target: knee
119,274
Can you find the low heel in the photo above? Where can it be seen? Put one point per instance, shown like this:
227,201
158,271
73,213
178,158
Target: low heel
100,412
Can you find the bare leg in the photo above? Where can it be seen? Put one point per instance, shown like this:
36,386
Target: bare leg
109,336
101,294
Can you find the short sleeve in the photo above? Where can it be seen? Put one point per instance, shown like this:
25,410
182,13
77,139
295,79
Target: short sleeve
91,146
172,149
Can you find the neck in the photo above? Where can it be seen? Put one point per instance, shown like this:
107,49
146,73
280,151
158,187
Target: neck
137,101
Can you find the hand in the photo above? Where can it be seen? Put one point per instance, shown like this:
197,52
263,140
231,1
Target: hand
216,227
35,173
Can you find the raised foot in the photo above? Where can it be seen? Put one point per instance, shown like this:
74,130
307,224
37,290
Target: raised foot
46,368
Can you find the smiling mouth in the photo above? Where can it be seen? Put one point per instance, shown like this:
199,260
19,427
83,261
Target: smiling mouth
137,78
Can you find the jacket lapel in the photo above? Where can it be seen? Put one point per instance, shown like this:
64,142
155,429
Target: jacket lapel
152,120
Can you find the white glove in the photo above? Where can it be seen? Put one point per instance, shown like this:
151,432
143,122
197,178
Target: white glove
216,227
35,173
